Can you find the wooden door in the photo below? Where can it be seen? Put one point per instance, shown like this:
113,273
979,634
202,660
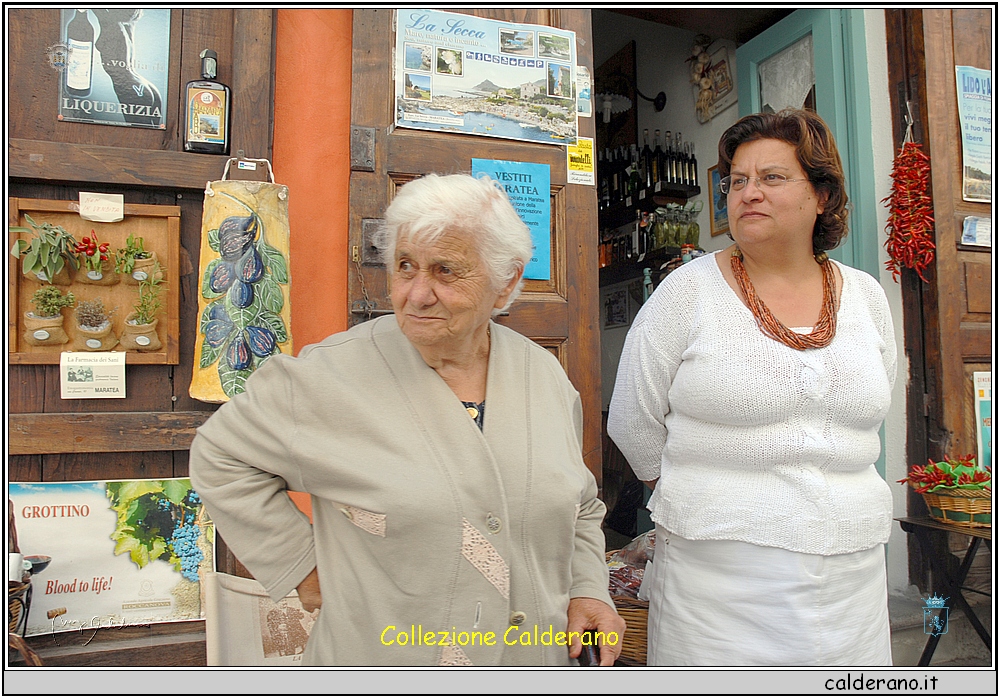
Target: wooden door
561,314
948,321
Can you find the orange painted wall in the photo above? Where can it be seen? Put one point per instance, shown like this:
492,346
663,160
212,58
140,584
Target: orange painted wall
311,154
312,117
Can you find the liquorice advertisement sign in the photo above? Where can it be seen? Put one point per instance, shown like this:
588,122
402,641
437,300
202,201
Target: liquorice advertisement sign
116,66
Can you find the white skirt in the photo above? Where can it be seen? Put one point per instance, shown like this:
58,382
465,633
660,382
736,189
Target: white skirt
728,603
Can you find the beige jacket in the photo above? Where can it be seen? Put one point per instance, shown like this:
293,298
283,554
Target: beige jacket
423,525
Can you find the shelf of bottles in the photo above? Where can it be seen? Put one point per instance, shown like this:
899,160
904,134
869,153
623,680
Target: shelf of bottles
631,179
642,210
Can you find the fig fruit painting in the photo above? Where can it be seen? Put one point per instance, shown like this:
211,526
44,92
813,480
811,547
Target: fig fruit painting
241,325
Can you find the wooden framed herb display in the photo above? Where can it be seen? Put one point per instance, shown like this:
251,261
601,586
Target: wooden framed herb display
99,261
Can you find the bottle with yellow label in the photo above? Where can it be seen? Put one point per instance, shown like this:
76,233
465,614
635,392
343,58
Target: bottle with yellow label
208,114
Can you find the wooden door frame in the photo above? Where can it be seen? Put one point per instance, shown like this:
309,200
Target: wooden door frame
938,342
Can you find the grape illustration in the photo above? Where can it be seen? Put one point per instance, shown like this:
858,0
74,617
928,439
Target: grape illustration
184,543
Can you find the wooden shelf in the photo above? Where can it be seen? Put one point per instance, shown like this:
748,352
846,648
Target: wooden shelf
623,271
645,200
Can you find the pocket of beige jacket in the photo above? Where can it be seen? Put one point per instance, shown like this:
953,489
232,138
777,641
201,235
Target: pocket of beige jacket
369,521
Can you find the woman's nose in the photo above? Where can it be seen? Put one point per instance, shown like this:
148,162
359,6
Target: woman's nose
422,290
752,191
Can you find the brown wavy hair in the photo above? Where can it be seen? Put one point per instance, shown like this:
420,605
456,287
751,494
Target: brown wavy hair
817,154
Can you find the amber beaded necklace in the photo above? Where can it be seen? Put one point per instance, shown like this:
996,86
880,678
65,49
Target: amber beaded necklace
825,328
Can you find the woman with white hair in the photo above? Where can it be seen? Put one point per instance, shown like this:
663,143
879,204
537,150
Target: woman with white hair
439,535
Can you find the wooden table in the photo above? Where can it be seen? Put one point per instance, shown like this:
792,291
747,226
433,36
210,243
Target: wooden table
923,528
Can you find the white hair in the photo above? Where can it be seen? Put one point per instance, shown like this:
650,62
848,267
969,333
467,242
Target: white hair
426,208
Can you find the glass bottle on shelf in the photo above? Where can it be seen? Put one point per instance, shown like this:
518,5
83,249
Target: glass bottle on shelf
657,174
694,230
668,158
605,191
680,170
209,115
647,161
694,167
620,167
612,175
634,177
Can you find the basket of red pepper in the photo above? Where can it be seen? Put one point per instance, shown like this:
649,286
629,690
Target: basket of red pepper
955,490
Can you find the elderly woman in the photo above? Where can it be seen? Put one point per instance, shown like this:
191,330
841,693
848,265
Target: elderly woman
749,395
454,521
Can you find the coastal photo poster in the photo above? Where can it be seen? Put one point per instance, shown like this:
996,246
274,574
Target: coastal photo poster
975,110
464,74
116,66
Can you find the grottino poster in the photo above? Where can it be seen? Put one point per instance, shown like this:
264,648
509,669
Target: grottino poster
116,66
112,554
485,77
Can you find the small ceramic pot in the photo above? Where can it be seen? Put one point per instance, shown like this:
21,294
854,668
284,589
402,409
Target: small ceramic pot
90,339
140,337
142,270
105,276
44,331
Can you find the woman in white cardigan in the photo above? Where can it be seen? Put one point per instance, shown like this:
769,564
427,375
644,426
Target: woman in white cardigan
749,396
441,534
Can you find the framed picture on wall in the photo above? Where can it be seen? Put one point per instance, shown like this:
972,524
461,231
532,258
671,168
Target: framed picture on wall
616,308
720,213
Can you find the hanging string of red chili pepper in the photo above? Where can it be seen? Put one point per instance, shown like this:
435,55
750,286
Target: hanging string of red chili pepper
910,228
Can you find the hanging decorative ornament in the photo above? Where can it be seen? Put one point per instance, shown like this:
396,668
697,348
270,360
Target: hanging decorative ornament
910,228
244,316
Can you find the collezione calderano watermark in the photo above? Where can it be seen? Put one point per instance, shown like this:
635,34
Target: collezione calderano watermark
416,636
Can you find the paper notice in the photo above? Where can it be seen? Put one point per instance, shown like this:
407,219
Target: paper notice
95,374
102,208
580,162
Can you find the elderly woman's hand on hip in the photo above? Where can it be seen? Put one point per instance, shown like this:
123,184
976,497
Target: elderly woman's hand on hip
592,614
309,594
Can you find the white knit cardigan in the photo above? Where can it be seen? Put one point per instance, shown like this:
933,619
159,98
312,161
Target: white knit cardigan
752,440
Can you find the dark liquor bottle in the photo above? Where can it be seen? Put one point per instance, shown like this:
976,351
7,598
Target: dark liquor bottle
80,62
681,174
670,167
688,165
635,175
613,175
602,171
657,159
621,165
209,115
647,162
694,167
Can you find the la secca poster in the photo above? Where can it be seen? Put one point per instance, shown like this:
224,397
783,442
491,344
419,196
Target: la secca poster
112,554
485,77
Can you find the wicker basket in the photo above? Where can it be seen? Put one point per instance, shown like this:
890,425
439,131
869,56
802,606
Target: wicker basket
17,600
972,508
635,613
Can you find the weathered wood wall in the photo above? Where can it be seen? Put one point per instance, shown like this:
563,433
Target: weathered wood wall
145,435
